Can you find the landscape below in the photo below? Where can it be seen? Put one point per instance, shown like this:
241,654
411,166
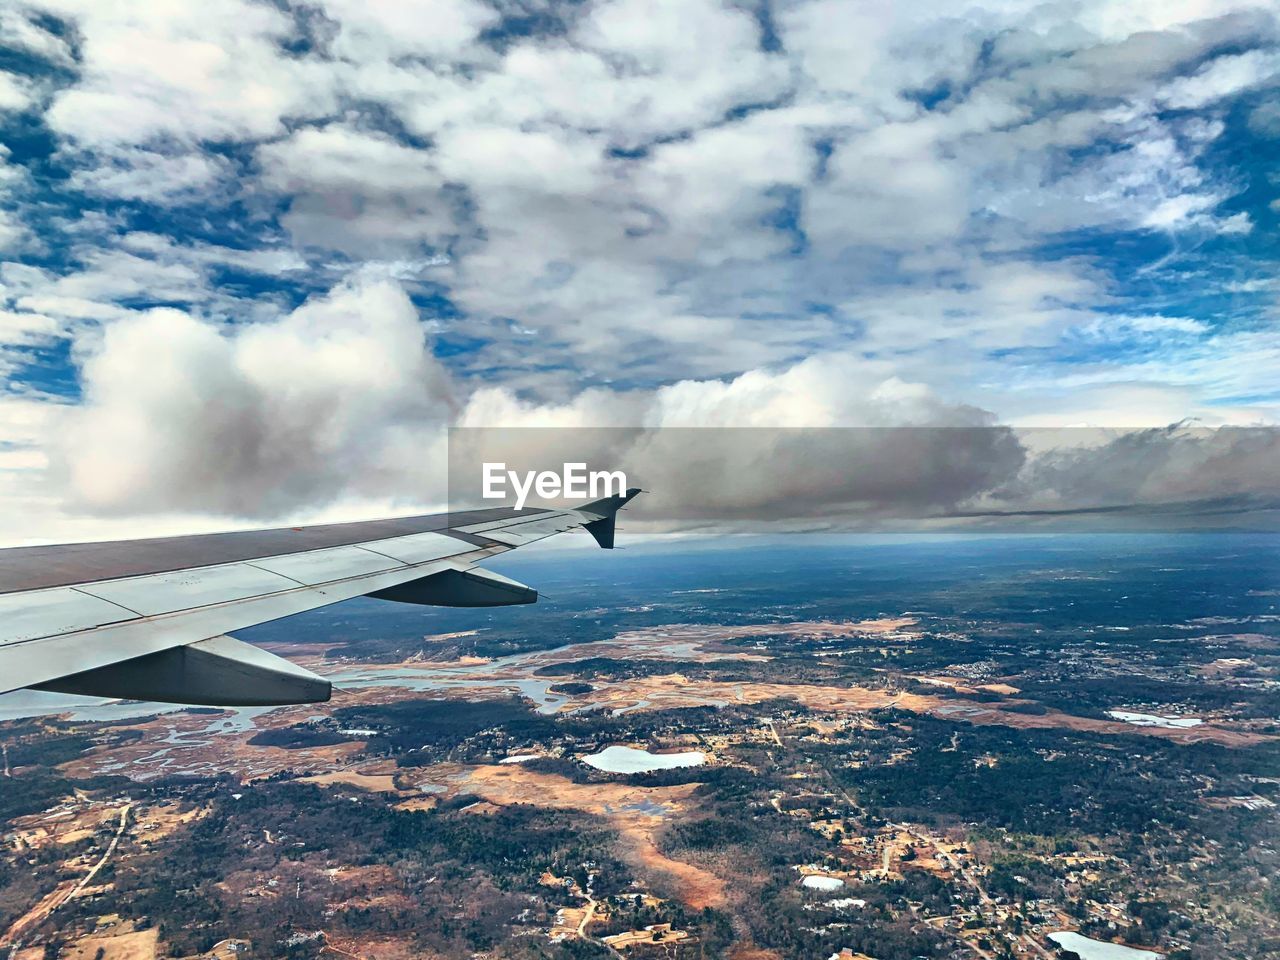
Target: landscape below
1038,747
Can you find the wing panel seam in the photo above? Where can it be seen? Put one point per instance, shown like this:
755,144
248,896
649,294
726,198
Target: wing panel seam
277,573
387,556
86,593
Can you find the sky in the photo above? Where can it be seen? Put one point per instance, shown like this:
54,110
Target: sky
257,257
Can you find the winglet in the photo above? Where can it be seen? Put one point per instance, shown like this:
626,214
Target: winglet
603,528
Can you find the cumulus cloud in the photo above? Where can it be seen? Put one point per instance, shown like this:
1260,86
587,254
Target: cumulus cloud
150,176
1223,77
185,72
341,402
578,179
371,30
358,192
341,396
21,29
15,93
807,214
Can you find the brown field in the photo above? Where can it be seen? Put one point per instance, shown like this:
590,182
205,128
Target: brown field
383,948
38,830
827,628
675,690
418,803
631,938
960,685
135,945
156,823
749,951
1205,733
367,778
197,751
37,914
185,743
620,803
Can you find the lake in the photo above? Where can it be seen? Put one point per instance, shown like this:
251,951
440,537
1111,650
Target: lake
631,760
1150,720
1100,949
816,881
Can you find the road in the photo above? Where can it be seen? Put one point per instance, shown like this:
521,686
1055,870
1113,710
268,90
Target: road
102,862
34,918
774,731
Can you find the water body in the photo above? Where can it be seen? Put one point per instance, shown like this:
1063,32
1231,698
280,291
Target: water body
426,679
631,760
39,703
1150,720
1100,949
816,881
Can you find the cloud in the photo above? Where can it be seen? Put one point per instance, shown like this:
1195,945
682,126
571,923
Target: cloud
340,403
640,70
1170,474
341,396
372,30
871,445
15,93
1123,327
928,465
362,193
635,183
21,29
810,213
24,329
151,176
1264,120
108,277
183,72
1224,77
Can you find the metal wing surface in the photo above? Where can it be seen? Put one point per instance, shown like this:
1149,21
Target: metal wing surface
147,619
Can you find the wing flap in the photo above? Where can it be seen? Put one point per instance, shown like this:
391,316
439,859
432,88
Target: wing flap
461,587
220,671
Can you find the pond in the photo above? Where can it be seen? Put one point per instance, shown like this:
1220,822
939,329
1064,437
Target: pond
1150,720
1100,949
631,760
815,881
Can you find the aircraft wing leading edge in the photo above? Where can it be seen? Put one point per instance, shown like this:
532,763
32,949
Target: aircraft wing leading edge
148,619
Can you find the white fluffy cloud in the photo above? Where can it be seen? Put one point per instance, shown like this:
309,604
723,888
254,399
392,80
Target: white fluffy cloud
154,177
372,30
341,396
188,72
691,211
357,192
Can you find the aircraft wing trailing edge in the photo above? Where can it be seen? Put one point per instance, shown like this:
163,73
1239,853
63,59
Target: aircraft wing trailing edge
148,619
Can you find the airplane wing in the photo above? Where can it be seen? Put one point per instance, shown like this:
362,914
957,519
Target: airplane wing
147,619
